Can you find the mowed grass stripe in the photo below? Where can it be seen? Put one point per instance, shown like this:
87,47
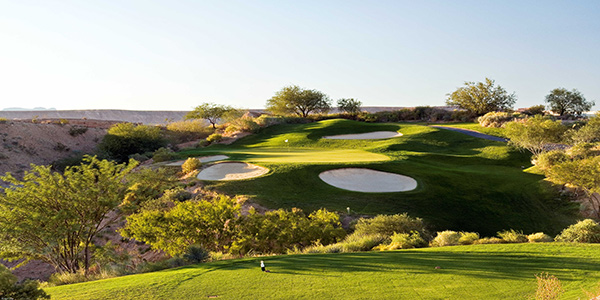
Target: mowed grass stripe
504,271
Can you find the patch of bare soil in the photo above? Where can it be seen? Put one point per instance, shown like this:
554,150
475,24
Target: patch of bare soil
25,143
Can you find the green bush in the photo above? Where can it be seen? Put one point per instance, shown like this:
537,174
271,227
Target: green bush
468,238
586,231
388,225
3,120
404,241
163,154
548,159
495,119
203,143
125,139
446,238
191,164
196,254
361,242
513,236
214,138
539,237
11,289
535,110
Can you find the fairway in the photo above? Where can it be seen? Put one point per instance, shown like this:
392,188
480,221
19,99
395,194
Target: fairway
304,155
504,271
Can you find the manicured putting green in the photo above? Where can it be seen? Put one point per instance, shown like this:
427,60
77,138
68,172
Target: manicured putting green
306,155
375,135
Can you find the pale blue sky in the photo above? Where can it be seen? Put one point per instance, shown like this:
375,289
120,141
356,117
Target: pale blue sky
174,55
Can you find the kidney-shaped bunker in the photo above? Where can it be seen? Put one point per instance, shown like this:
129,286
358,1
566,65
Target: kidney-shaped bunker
368,181
231,171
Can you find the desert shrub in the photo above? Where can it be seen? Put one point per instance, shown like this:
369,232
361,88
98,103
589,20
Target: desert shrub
468,238
489,240
446,238
513,236
60,147
495,119
246,124
548,287
202,143
139,157
535,110
77,130
191,164
539,237
387,225
188,130
163,154
548,159
586,231
361,242
404,241
214,138
583,150
11,289
125,139
3,120
196,254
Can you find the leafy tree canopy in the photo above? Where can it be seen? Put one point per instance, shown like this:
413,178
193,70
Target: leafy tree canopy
125,139
482,97
211,112
296,100
535,133
349,105
564,102
54,217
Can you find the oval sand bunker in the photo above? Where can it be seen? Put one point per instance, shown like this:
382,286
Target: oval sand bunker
231,171
376,135
368,181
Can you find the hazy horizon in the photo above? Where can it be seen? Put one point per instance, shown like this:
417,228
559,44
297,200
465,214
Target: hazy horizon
174,55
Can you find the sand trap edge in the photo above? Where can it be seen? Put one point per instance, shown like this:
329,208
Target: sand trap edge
231,170
368,181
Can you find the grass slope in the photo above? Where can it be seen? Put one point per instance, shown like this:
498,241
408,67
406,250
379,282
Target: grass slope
465,183
504,271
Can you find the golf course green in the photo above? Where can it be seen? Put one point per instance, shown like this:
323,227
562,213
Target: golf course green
464,183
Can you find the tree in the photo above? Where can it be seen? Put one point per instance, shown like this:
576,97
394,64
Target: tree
11,289
55,217
349,105
480,98
564,102
296,100
211,112
535,133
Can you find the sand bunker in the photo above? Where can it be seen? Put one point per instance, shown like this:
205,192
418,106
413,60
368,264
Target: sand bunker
203,159
368,181
231,171
376,135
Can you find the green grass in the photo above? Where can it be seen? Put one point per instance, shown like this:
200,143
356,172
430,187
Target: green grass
465,183
476,127
505,271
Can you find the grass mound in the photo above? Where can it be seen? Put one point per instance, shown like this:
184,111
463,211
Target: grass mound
504,271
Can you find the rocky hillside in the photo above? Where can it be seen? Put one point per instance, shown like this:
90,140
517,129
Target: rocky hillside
133,116
23,143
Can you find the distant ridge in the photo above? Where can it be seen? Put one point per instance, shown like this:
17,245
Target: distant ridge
136,116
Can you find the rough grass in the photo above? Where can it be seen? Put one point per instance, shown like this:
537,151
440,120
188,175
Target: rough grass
465,183
505,271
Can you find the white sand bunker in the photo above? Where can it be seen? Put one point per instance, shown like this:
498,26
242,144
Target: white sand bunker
375,135
368,181
231,171
203,159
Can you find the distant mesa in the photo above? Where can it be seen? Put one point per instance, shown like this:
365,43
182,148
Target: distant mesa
27,109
